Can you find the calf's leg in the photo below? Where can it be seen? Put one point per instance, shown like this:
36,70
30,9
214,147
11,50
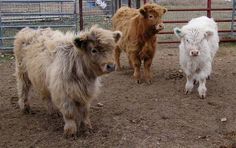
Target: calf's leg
130,63
136,62
189,84
84,113
147,53
117,58
23,86
204,73
147,71
202,88
70,115
51,107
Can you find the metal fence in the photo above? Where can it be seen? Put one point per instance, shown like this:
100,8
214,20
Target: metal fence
179,13
233,23
17,14
81,14
91,13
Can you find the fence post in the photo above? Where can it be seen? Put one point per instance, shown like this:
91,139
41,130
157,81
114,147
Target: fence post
233,25
137,3
81,21
129,3
119,3
209,8
1,36
75,16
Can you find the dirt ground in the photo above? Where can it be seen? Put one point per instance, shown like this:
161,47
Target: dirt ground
132,115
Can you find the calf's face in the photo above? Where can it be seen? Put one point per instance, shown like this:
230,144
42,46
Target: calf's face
193,39
152,14
98,47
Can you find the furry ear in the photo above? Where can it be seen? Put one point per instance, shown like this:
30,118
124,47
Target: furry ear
143,12
80,43
178,32
117,35
164,10
209,33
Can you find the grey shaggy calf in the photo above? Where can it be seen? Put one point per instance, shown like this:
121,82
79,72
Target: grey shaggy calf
64,69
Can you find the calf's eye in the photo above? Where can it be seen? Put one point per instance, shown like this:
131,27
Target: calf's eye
94,51
150,16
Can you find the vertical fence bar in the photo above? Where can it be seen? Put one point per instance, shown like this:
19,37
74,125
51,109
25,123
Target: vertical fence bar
61,9
1,36
81,21
75,16
137,3
61,6
119,3
209,8
233,17
116,5
129,3
39,7
112,8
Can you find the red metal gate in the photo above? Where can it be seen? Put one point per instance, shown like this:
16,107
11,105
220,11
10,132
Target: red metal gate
209,11
207,8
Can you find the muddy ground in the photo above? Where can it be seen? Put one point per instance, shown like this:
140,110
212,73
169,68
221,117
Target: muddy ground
132,115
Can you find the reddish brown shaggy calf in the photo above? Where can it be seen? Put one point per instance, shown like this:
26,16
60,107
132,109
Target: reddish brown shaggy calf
139,41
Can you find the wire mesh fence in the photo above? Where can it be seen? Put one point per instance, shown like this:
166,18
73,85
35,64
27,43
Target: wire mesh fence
95,14
17,14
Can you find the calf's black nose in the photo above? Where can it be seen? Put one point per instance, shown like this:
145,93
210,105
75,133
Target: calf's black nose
195,53
110,67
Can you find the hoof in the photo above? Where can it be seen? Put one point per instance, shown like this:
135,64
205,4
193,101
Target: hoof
186,92
118,68
202,93
148,82
138,81
86,125
70,130
208,78
202,96
70,136
54,113
26,109
87,128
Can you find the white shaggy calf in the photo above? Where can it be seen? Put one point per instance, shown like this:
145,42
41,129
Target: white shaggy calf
199,44
64,69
